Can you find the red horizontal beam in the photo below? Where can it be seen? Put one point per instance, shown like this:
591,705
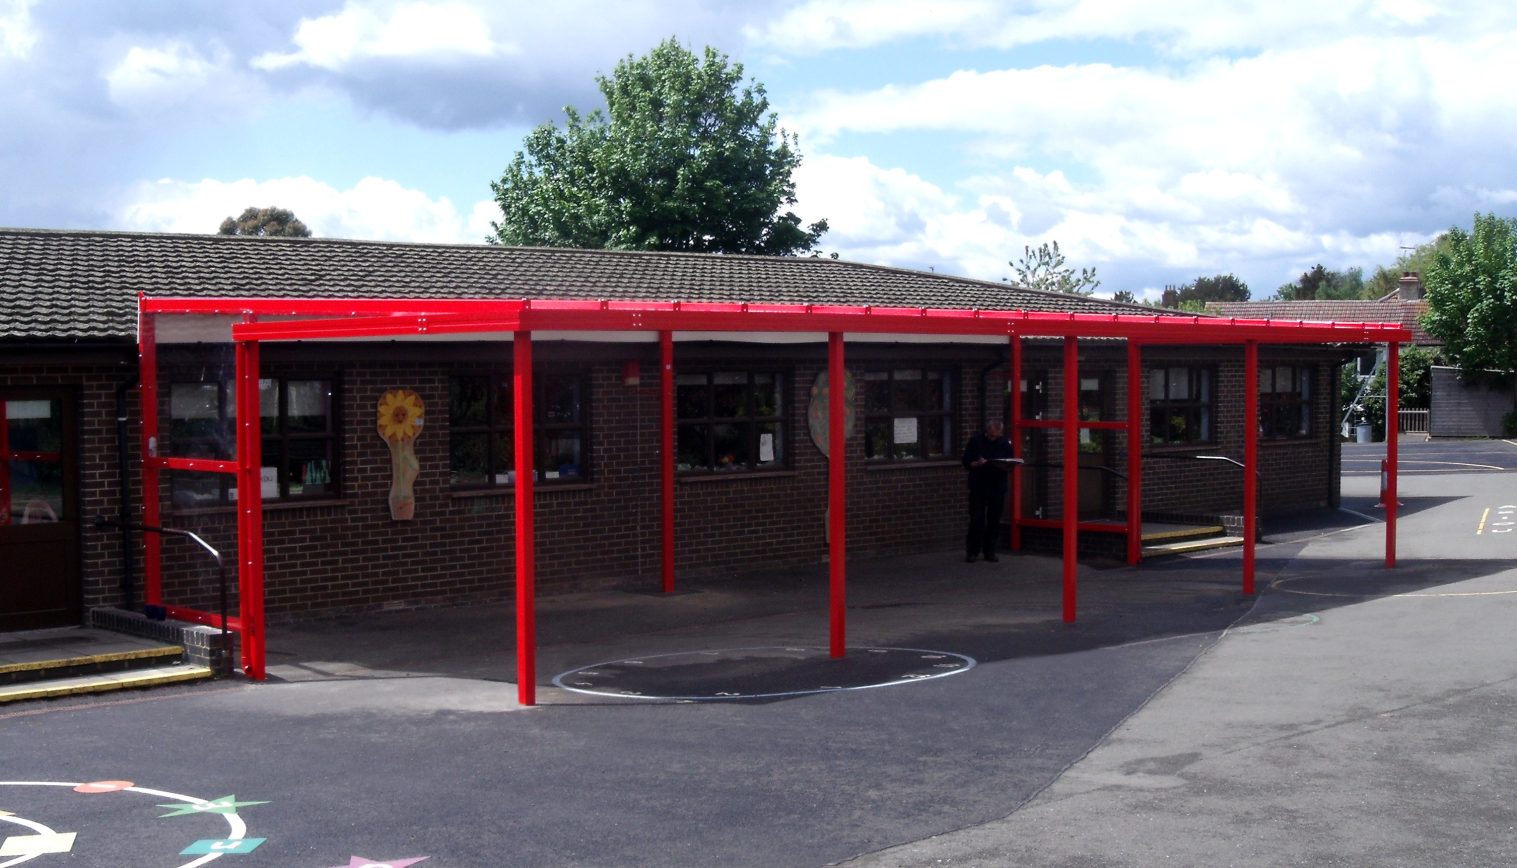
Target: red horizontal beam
196,465
398,317
1096,527
196,616
1085,425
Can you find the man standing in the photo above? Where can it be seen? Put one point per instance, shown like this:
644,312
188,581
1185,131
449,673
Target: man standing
984,459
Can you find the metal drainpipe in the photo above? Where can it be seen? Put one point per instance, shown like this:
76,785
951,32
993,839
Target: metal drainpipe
124,477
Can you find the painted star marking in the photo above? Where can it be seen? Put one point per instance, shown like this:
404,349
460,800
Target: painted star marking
36,845
363,862
223,805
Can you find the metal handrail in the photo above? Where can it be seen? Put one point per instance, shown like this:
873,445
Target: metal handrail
1258,472
225,664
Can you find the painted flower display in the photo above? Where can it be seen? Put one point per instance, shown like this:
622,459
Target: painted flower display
401,416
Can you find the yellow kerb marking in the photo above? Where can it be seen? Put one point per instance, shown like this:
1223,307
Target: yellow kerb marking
1483,516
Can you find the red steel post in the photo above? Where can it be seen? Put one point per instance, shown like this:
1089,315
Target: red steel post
1250,459
666,454
249,512
1392,436
1134,452
147,390
1071,473
1014,432
837,500
526,564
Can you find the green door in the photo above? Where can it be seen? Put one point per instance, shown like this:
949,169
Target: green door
39,510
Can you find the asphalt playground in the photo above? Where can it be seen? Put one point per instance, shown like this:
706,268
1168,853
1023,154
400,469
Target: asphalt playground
1345,715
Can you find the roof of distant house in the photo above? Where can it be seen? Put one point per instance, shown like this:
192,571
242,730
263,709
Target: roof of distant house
84,285
1390,309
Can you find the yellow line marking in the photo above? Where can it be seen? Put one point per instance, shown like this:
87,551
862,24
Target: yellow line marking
1483,516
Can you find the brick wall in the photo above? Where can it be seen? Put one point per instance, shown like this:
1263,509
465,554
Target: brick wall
1473,409
347,554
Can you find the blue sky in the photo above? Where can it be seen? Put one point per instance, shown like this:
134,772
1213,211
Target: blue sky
1156,142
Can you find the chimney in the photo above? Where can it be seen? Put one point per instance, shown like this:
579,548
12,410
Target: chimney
1409,287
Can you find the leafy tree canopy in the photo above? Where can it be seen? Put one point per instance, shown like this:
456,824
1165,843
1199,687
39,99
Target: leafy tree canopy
1124,295
1324,284
1044,269
270,222
1472,295
684,157
1195,295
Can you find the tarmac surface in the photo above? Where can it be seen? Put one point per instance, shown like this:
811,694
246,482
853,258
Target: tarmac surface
1346,715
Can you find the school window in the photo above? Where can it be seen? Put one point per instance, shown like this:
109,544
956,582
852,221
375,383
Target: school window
298,429
730,421
1285,402
481,432
1180,401
908,414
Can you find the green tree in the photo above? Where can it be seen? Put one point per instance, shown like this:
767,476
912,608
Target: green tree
1124,295
1414,386
684,157
1472,295
1220,287
1045,269
265,222
1323,284
1418,259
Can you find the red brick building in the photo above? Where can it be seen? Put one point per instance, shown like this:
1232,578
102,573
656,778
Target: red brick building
751,482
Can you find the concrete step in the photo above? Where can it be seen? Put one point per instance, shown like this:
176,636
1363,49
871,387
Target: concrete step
1191,544
1161,533
88,664
103,681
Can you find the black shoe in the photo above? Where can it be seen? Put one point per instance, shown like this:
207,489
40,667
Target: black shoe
991,558
969,559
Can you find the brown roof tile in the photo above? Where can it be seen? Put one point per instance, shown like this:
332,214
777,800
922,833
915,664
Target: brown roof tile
1406,313
84,285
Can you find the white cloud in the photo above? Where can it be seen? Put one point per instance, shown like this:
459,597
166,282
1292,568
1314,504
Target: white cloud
17,36
426,30
163,74
373,208
1181,27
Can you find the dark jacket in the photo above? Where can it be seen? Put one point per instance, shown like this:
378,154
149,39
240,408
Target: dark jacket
989,477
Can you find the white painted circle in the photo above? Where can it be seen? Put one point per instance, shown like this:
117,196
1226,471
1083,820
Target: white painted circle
238,828
562,680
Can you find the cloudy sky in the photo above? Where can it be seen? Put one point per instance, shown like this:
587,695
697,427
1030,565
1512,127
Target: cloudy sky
1155,141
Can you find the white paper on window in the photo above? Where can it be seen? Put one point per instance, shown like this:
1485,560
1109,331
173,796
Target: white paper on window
906,430
766,448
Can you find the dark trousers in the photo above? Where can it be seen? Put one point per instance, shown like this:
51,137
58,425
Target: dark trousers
984,521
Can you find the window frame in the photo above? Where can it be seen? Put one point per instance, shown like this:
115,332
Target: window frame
220,443
1199,410
1296,403
948,415
499,428
751,423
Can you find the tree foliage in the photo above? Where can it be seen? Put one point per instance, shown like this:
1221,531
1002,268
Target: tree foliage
1323,284
1472,295
1044,268
1220,287
265,222
1418,259
685,156
1124,295
1414,387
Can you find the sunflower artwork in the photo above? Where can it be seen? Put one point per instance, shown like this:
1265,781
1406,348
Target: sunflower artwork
401,416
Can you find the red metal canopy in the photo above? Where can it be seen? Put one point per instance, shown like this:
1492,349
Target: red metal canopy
264,319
